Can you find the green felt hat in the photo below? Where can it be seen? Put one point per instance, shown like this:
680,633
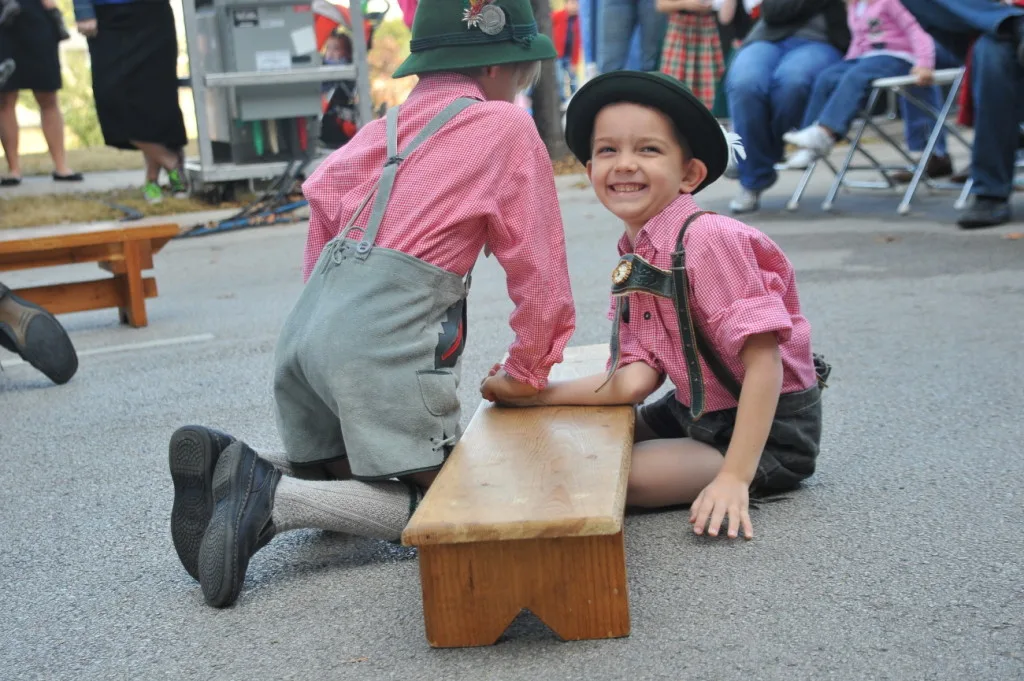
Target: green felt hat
461,34
708,141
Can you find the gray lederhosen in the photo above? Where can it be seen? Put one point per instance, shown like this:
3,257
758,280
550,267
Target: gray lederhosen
367,365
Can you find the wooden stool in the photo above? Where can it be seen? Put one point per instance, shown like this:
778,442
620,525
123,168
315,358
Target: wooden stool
527,514
123,250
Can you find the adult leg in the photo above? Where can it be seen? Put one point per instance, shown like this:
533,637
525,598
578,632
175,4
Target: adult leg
956,16
747,86
998,91
588,33
791,84
53,131
615,22
652,31
9,133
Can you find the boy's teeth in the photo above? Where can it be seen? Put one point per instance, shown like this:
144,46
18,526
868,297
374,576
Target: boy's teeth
627,187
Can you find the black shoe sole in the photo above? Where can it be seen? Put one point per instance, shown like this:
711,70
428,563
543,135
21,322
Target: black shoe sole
47,347
222,566
193,458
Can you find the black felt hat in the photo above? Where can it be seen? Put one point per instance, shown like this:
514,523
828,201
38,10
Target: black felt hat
700,128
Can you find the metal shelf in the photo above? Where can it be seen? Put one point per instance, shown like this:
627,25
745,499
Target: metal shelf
314,74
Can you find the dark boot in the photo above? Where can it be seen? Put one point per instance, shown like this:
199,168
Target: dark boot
243,495
193,456
37,336
985,211
937,166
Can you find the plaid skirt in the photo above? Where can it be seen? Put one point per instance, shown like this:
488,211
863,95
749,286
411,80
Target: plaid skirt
692,53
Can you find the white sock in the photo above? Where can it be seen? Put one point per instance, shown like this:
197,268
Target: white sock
366,509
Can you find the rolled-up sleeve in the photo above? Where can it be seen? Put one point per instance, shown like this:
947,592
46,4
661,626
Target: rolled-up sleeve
527,237
738,282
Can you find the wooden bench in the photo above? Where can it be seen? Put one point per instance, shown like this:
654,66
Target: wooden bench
123,250
527,514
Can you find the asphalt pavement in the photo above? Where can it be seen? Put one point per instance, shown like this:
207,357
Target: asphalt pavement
900,559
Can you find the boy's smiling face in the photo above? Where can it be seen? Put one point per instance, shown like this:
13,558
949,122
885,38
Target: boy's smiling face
638,166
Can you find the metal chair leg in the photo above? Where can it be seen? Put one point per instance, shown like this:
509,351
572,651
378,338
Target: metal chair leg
838,181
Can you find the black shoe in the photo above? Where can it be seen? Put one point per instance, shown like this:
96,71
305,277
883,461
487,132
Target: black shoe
194,451
243,494
37,336
985,211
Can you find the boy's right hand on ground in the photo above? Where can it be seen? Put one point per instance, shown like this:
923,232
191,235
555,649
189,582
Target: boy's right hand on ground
501,388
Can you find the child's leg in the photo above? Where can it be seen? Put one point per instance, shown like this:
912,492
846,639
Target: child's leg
670,472
824,85
851,92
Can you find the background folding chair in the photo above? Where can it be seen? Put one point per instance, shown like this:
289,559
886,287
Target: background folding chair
898,86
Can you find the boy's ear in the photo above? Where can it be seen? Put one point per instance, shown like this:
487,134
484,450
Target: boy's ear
590,170
694,173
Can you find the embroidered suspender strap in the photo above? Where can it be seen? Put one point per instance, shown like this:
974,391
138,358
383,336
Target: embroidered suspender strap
694,343
387,178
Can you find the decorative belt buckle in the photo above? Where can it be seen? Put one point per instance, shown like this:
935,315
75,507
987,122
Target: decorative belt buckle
621,272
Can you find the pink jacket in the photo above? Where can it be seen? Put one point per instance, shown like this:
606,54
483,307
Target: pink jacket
887,25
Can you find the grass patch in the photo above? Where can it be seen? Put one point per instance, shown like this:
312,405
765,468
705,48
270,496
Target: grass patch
55,209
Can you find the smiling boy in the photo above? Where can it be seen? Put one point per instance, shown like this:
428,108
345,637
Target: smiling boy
746,414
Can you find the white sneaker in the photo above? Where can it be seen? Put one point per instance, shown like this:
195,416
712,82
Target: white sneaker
747,201
813,138
798,160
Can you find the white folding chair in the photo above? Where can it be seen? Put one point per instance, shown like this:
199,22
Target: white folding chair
896,86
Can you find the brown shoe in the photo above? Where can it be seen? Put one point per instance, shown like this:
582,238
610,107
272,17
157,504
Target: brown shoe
37,336
937,166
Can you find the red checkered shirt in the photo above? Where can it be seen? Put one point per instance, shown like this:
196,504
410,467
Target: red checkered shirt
484,178
741,284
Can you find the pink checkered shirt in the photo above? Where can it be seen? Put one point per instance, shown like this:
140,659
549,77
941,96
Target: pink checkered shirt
741,284
483,178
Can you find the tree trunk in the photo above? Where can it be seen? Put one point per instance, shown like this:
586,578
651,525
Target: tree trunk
547,113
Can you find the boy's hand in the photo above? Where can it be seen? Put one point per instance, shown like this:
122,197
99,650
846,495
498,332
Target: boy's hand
726,494
924,76
501,388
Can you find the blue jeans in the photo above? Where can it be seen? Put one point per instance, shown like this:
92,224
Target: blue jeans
997,82
615,24
588,10
917,124
564,70
767,88
841,91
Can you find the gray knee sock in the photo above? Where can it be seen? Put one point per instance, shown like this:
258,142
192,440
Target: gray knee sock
279,462
367,509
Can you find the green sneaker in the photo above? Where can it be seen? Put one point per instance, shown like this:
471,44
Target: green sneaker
177,181
152,192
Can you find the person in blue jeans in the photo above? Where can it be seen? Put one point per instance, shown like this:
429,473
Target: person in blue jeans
771,78
997,88
616,21
886,41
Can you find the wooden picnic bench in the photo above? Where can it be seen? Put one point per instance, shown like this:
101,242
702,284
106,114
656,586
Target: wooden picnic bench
527,513
124,250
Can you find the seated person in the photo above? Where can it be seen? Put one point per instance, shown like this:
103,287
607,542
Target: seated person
997,85
745,417
770,80
885,42
337,52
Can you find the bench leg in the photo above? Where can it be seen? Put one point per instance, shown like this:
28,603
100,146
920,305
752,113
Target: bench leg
575,585
133,301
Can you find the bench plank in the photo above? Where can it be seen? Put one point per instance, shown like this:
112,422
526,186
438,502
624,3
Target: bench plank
531,473
99,294
36,239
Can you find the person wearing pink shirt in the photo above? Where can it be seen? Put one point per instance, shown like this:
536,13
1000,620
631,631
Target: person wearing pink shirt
368,360
699,298
886,41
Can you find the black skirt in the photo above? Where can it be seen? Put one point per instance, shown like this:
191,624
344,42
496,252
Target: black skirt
134,75
31,40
